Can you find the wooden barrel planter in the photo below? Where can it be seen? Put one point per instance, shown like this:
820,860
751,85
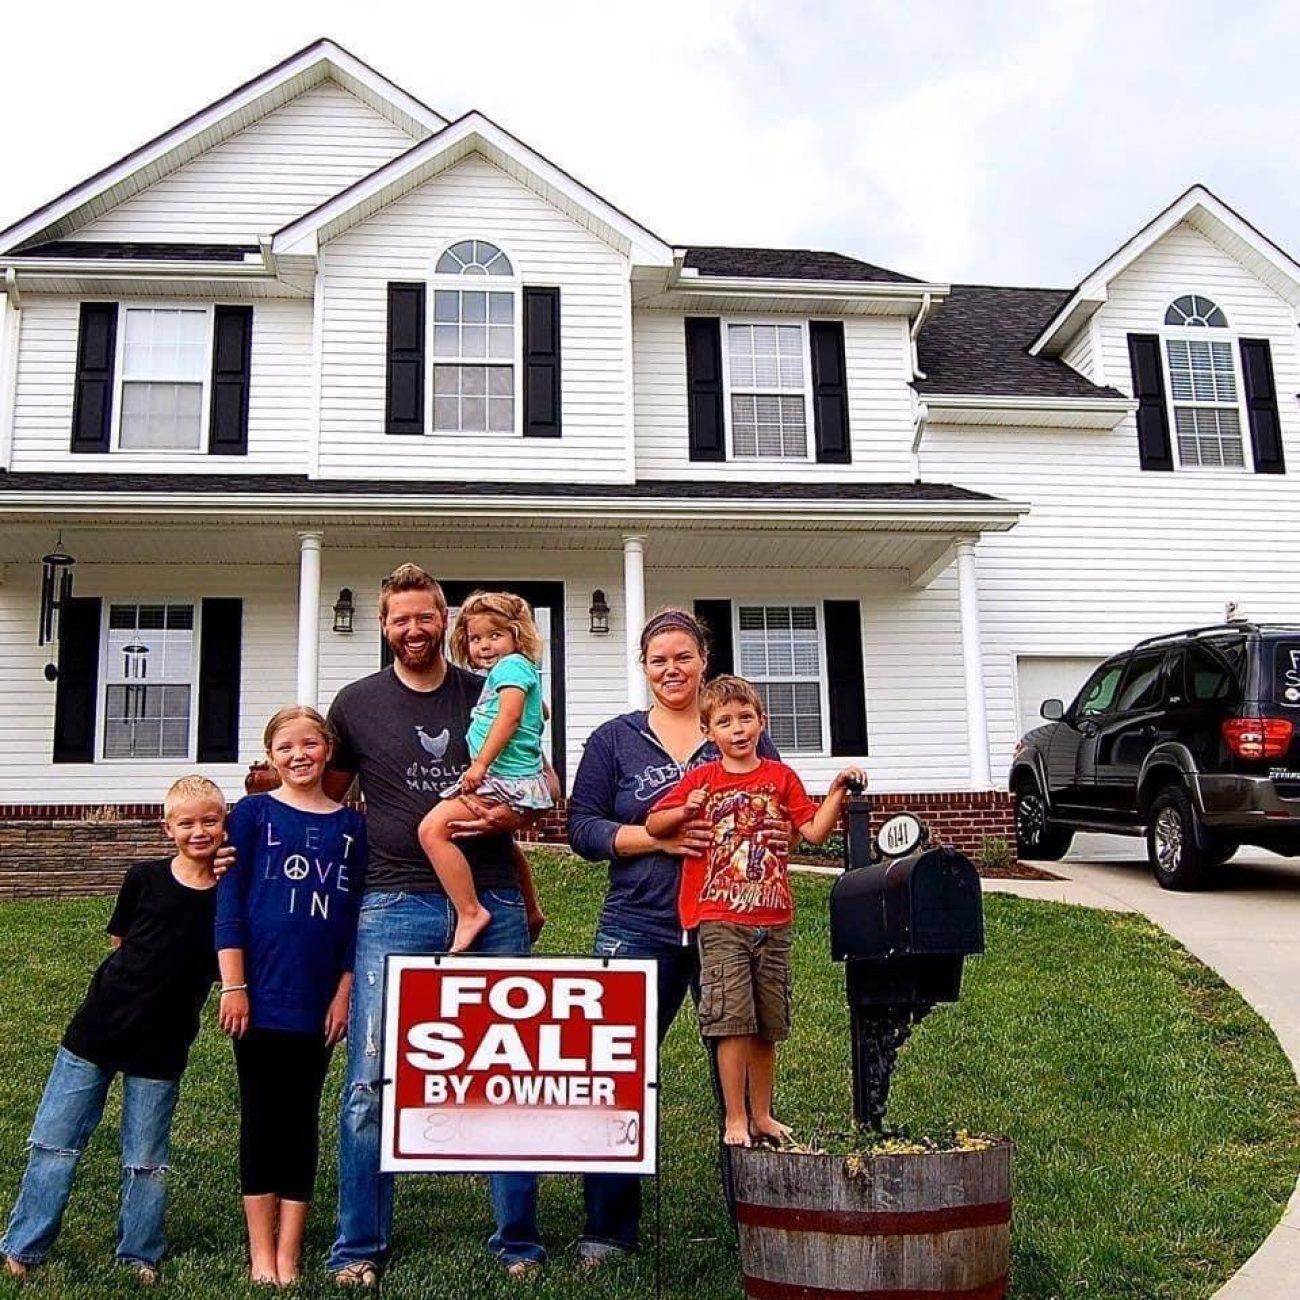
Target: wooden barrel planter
900,1227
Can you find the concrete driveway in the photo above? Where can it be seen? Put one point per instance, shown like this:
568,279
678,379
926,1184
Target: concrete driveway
1248,930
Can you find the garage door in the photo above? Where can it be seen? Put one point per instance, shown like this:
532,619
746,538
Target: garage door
1045,677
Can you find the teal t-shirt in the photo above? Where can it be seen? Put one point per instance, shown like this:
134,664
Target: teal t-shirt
522,755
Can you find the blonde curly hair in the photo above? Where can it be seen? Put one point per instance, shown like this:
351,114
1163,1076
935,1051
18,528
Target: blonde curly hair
507,610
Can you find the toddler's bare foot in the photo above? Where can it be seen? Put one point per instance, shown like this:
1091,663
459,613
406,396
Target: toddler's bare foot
770,1129
736,1133
15,1267
469,925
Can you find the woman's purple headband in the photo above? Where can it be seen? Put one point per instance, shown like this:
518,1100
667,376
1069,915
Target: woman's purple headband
673,620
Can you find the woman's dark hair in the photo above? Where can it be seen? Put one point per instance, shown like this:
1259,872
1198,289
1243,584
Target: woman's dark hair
669,618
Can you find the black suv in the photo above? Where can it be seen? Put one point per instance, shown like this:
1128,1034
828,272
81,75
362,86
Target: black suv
1192,739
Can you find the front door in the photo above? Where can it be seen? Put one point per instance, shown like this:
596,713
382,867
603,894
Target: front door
547,600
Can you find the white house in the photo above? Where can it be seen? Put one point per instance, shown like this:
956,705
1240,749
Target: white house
317,329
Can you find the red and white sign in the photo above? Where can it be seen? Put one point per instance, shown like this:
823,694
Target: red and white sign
539,1064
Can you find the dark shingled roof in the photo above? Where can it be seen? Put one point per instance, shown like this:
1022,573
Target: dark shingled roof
788,264
977,342
649,490
118,252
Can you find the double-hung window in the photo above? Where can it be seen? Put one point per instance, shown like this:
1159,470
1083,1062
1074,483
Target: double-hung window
768,388
475,336
779,650
1204,388
149,668
166,359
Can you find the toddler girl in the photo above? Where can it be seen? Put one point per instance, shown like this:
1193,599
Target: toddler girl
285,936
494,633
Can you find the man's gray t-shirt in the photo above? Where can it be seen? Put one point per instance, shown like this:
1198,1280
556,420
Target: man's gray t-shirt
407,746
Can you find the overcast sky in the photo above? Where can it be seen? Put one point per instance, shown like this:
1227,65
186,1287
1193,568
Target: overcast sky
1015,143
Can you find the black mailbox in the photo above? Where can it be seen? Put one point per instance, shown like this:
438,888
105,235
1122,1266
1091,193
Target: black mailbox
903,926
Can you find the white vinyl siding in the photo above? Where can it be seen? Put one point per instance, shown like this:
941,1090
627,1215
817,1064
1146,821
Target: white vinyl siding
279,406
402,242
279,168
877,358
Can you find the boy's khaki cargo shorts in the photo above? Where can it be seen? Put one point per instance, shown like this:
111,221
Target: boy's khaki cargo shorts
744,980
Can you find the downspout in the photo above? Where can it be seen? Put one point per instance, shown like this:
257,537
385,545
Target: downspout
917,372
921,413
9,339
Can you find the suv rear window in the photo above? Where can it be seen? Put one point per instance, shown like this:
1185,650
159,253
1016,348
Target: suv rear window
1214,671
1286,673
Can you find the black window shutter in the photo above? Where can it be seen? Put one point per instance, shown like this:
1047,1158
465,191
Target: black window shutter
716,617
830,392
704,421
541,363
404,408
92,404
846,685
76,690
220,654
232,360
1154,448
1261,406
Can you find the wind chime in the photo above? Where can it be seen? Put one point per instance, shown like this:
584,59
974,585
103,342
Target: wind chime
56,591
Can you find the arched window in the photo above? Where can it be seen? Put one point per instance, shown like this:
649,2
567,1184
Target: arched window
1192,309
474,341
1203,385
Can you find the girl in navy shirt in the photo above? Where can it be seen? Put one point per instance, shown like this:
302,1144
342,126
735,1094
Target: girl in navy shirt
285,935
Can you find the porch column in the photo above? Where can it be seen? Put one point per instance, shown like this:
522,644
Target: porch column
309,618
634,615
973,662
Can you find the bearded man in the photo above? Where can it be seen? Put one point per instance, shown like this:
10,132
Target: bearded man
401,732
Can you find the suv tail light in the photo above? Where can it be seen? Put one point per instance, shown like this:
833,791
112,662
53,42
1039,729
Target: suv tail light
1258,737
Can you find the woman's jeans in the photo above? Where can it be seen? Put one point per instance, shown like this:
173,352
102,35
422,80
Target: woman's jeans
412,924
613,1201
70,1109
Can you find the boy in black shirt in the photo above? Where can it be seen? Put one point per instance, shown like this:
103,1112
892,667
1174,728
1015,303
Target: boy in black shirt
138,1018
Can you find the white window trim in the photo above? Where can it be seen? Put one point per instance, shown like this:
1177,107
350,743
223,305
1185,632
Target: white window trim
101,693
512,284
823,682
119,379
810,455
1206,334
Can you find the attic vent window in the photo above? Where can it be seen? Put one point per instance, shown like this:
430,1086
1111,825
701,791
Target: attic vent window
1193,310
474,257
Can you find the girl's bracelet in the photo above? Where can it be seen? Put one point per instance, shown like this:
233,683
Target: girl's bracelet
233,988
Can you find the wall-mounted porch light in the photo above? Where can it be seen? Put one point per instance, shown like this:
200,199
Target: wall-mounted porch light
343,611
599,613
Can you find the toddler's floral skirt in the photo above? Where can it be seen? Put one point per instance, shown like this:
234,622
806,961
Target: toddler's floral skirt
522,793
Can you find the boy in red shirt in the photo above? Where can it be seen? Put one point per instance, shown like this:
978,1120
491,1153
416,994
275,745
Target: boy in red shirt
738,895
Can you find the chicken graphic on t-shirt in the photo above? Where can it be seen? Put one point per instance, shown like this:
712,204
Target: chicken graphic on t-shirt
435,745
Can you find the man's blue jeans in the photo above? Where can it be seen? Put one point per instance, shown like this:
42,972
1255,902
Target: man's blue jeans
613,1201
412,924
70,1109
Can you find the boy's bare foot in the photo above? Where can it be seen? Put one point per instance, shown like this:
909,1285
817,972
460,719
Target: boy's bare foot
468,928
736,1133
770,1129
289,1274
15,1267
263,1276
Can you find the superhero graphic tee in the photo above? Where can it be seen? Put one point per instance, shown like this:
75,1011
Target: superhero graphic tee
743,878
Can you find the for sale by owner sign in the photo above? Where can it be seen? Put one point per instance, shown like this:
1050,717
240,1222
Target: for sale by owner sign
493,1064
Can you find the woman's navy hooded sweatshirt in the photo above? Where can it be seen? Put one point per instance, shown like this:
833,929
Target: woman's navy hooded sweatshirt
623,772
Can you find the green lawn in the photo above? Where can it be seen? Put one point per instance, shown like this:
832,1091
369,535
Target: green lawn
1156,1120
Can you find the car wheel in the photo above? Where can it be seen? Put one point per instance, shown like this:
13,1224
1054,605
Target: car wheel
1181,852
1036,836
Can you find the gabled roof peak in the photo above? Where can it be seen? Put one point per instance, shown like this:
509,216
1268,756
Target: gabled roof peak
321,60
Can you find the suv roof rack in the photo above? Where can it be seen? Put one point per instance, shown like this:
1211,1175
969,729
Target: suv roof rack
1238,625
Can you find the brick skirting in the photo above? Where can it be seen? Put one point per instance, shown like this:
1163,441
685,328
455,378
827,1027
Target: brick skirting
49,850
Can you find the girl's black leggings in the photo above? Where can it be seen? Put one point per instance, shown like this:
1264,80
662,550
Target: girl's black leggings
280,1079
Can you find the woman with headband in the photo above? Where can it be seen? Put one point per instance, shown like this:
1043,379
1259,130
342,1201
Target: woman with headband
627,764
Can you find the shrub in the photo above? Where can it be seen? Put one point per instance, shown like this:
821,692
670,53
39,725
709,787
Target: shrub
995,854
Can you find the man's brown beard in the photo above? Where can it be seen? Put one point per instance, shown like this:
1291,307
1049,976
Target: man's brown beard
417,663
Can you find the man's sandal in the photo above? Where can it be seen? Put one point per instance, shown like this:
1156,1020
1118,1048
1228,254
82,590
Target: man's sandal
524,1270
362,1273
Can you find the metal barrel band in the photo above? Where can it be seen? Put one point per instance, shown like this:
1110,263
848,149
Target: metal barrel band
870,1223
758,1288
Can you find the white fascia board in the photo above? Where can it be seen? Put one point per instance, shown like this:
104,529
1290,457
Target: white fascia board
1197,201
323,54
1098,412
301,236
910,295
133,268
961,516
